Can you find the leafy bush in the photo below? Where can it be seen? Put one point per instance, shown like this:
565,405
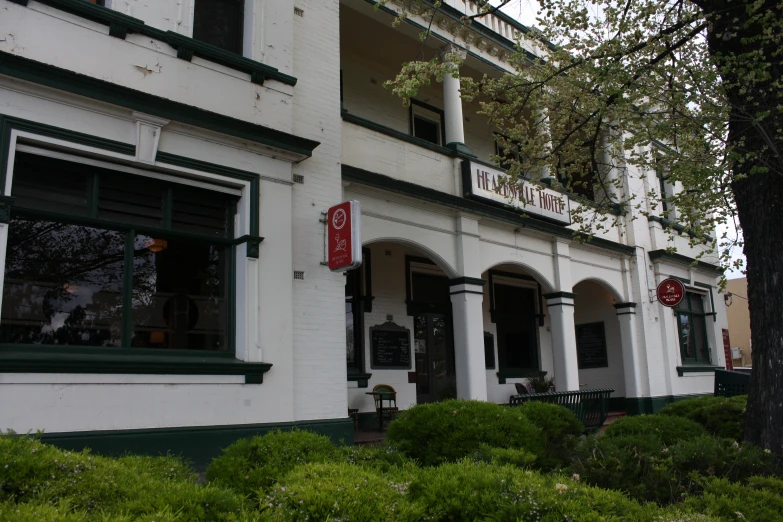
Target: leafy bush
721,416
259,462
95,487
500,456
647,470
541,383
560,428
37,512
760,500
380,459
667,428
467,491
450,430
337,491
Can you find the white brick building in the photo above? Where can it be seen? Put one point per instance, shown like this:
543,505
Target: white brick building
165,169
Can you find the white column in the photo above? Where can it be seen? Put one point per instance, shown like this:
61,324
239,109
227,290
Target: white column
467,295
626,315
452,103
561,322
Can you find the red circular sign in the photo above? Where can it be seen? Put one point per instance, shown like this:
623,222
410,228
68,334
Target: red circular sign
670,292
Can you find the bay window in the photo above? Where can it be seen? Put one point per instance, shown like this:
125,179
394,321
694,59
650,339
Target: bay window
102,258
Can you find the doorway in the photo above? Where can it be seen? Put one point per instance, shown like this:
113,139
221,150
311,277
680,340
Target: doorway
434,357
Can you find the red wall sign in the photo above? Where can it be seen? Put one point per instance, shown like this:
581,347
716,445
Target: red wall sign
670,292
727,349
343,236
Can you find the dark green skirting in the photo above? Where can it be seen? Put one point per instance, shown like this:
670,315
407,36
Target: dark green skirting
197,444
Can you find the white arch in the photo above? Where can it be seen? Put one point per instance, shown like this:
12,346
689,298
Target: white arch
449,270
546,285
605,284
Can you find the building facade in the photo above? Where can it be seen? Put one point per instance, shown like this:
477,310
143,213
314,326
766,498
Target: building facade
166,167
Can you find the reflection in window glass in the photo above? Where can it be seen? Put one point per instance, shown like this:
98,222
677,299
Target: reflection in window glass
63,285
179,294
692,325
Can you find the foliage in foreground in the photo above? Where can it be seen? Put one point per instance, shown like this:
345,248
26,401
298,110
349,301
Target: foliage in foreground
721,416
257,463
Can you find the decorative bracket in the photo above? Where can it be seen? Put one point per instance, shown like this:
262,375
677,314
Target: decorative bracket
253,244
118,31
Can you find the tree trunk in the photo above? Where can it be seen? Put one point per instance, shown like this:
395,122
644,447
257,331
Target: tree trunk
758,190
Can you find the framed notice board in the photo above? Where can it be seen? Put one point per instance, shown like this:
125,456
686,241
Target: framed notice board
390,347
591,346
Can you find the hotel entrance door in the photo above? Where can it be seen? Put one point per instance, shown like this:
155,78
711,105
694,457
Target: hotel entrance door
434,355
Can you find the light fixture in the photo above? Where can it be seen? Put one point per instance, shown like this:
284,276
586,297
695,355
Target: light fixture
157,245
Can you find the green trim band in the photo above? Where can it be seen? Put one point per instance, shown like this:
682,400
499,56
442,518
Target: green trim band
75,83
679,259
680,229
560,295
697,368
120,24
649,405
35,359
476,281
620,306
413,190
362,379
198,444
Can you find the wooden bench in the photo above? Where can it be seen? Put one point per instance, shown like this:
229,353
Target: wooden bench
591,407
729,384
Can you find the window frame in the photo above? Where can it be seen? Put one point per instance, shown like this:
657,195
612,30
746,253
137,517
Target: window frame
361,301
425,111
80,147
703,355
242,28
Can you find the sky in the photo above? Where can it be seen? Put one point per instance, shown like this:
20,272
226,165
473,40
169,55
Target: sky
525,11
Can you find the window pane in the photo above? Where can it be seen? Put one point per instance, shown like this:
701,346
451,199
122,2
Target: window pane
350,348
63,285
686,336
430,288
699,341
515,316
41,183
697,303
130,199
425,129
179,294
219,23
201,211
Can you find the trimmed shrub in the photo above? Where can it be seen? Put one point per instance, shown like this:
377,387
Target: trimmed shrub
721,416
760,500
450,430
379,459
37,512
259,462
337,491
560,428
647,470
501,456
467,491
668,429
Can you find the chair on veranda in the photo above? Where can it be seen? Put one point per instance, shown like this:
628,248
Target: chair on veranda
386,402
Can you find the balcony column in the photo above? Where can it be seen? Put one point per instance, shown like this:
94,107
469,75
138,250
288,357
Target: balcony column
560,305
626,316
452,101
467,295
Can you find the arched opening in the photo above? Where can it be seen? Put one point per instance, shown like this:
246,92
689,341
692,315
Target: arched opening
598,337
399,325
517,343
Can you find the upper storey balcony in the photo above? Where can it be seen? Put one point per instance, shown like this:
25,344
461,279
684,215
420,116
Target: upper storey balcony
439,136
221,56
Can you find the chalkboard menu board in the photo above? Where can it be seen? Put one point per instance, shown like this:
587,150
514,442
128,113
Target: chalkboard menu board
591,346
390,347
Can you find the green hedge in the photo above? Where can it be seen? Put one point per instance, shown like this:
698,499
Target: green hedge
450,430
668,429
254,464
721,416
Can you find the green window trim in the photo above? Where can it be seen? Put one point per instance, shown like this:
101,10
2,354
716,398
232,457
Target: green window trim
704,358
517,374
54,359
697,368
120,25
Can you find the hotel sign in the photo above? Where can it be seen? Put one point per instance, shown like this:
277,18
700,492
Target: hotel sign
483,182
344,236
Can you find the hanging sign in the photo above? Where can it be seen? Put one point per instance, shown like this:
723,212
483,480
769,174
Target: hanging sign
490,184
670,292
343,236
